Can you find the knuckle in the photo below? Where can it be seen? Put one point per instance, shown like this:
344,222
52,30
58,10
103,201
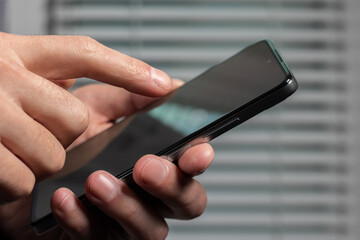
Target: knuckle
11,70
27,186
57,159
79,116
87,45
20,187
82,118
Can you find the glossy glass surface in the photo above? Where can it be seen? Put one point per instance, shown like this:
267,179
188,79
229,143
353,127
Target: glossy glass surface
213,94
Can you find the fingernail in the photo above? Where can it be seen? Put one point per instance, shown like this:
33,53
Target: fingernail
161,79
154,172
68,204
102,188
65,203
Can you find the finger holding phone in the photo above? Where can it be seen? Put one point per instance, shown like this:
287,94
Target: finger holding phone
127,215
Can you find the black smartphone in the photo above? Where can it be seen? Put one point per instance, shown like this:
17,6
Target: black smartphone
214,102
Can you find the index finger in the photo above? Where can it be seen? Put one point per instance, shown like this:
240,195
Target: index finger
65,57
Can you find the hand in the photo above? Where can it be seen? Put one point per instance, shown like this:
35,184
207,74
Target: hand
33,66
125,214
39,118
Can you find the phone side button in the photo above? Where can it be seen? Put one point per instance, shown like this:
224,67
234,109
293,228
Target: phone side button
220,130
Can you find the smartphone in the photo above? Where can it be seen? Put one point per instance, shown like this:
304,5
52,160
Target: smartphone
214,102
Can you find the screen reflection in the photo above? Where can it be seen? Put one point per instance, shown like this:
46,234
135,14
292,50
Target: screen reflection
221,89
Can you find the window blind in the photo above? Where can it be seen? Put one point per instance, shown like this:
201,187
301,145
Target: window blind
283,174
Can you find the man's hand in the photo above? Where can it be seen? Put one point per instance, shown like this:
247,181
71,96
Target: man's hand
38,118
124,213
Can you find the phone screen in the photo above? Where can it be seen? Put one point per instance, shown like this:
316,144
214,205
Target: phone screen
217,92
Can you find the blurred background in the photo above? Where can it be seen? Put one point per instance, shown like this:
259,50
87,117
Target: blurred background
289,173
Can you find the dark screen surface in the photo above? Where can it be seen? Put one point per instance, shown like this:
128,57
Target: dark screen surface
223,88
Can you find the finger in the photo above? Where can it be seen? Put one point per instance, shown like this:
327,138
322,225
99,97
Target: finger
65,116
73,217
29,141
111,102
16,179
104,106
196,159
119,202
182,194
63,57
177,83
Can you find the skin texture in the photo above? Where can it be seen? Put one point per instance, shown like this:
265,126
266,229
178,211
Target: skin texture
40,119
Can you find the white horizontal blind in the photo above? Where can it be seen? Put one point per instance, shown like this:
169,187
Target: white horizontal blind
282,175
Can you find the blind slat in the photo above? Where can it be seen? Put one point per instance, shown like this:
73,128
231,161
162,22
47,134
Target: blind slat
193,14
